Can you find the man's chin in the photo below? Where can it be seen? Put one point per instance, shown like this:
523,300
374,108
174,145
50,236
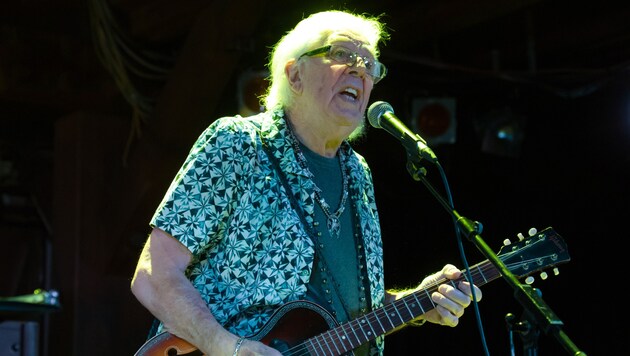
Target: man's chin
359,133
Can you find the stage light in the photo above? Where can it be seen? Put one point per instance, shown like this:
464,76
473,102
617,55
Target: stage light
502,132
433,118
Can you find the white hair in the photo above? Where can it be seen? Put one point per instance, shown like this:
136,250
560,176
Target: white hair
312,31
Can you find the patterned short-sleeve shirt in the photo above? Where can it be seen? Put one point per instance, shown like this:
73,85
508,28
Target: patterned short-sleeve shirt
227,205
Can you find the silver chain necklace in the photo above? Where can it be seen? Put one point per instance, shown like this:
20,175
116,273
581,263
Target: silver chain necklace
332,220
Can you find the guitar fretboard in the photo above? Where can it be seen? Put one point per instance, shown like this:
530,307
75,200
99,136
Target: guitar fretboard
368,327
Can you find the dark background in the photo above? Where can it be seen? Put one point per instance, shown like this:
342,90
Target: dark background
101,100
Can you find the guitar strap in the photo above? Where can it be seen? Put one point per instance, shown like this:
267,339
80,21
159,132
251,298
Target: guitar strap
286,186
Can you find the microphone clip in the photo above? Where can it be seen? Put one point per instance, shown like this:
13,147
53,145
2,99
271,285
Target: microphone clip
416,171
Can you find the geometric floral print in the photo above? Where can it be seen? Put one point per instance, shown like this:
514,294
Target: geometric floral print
228,206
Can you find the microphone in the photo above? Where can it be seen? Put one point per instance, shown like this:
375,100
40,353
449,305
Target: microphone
381,115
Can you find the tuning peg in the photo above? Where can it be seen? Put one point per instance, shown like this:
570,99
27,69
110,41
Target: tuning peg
543,275
556,271
529,280
532,231
507,242
520,236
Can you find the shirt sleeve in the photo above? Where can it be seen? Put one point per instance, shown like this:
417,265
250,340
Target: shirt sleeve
198,202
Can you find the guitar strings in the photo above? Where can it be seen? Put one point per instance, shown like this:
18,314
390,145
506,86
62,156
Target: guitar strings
321,344
481,273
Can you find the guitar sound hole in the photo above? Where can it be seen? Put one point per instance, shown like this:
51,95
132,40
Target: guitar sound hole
172,351
280,345
285,349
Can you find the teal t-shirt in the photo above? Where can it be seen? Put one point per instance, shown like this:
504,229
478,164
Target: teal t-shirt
339,253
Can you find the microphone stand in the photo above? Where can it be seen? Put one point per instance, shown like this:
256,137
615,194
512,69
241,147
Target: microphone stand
532,302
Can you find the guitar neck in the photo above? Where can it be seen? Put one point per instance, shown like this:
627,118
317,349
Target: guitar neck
352,334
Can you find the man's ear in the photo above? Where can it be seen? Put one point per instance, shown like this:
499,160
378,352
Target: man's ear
292,71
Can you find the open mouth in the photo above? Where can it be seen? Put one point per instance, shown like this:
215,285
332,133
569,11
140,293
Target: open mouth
351,92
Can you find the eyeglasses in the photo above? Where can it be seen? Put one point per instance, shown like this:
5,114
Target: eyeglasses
341,54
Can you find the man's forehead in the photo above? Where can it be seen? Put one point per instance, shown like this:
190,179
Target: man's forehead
357,40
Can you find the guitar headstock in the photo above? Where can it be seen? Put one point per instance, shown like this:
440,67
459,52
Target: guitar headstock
537,252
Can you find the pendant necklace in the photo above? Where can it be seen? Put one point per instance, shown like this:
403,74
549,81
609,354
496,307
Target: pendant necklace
332,219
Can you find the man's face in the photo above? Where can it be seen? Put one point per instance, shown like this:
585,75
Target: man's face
339,92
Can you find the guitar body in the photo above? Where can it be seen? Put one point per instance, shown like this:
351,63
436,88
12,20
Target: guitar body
165,344
289,326
293,323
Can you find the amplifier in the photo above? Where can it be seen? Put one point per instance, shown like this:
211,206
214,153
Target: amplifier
19,338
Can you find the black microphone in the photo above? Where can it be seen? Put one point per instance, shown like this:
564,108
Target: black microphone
381,115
